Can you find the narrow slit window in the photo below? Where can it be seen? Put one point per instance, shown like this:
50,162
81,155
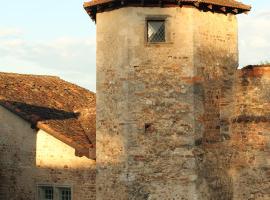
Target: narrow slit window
156,31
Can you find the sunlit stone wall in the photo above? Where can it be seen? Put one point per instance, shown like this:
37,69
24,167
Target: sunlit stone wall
53,153
159,106
29,158
145,105
250,139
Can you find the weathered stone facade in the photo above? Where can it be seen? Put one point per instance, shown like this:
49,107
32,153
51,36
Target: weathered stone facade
29,158
145,108
162,108
175,120
250,134
215,62
170,115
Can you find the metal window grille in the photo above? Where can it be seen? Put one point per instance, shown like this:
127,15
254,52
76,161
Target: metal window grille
156,31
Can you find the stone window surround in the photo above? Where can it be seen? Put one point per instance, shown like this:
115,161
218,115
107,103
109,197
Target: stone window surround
156,31
164,18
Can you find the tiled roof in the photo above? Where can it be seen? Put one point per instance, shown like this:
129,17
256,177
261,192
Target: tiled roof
64,110
91,6
255,70
226,3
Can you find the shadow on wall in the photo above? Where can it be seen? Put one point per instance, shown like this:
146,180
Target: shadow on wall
35,113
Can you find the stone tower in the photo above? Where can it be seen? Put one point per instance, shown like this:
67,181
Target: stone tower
164,78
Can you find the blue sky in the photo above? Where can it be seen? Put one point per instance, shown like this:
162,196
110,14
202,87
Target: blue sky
56,37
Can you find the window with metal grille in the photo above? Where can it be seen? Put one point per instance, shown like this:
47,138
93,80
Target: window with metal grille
156,31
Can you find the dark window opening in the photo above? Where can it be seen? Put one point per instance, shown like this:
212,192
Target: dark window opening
156,31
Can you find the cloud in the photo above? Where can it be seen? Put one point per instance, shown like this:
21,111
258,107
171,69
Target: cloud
71,58
254,34
10,32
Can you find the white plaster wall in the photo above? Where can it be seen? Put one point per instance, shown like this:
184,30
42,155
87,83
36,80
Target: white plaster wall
53,153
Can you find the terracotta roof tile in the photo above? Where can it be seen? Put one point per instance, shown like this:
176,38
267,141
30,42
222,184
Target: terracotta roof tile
64,110
226,3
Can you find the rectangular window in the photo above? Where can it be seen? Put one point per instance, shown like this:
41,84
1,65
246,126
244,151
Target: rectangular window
54,193
156,31
64,193
45,193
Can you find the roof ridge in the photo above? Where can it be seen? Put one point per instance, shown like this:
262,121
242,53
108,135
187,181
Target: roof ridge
46,76
78,86
33,75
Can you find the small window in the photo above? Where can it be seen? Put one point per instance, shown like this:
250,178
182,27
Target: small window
64,193
46,193
54,193
155,31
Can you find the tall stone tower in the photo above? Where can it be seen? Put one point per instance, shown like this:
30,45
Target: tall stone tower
164,77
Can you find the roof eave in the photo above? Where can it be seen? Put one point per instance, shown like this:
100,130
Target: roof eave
93,7
81,150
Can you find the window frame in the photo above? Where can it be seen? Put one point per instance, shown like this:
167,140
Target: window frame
59,191
163,18
56,190
42,187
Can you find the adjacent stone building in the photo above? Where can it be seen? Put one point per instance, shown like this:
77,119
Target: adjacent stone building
47,139
175,118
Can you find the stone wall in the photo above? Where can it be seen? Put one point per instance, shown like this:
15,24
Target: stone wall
29,158
250,137
215,61
159,107
145,107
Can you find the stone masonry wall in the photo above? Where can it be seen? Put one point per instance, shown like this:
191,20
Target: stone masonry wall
215,62
250,137
161,109
177,120
29,158
145,107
